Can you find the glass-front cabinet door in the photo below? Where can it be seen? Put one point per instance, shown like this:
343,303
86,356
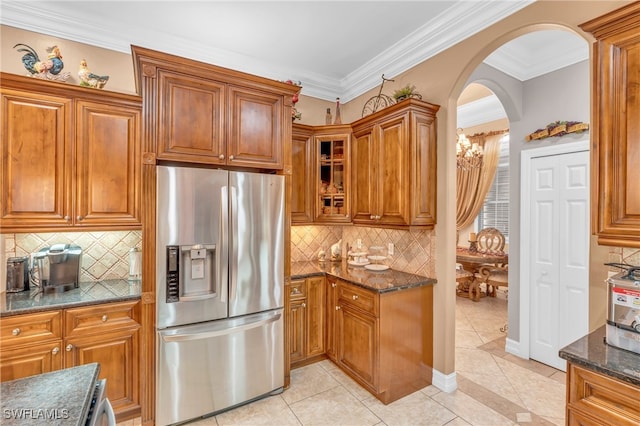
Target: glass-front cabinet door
332,200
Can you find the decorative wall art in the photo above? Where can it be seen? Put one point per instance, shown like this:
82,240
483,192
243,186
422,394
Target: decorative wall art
557,129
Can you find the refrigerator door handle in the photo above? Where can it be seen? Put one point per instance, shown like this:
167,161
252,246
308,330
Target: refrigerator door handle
233,226
221,256
216,333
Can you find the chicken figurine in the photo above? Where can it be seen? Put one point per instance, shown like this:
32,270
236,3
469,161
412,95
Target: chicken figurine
88,79
50,69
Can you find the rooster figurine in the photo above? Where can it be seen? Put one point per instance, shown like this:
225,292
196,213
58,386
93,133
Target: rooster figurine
88,79
51,69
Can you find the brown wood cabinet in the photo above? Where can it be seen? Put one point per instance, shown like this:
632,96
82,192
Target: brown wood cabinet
384,341
70,157
302,176
107,334
596,399
306,320
615,129
212,115
30,344
393,163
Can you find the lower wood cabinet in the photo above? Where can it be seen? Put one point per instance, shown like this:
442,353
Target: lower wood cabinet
596,399
107,334
305,314
384,341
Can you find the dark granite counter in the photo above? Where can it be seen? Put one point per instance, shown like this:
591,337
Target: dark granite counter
593,353
61,397
88,293
380,281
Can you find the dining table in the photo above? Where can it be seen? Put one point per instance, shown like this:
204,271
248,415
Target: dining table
468,284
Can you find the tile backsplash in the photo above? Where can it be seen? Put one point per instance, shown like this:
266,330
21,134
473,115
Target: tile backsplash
105,255
630,256
414,250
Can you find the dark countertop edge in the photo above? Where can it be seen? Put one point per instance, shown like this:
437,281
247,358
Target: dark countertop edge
80,303
418,283
574,353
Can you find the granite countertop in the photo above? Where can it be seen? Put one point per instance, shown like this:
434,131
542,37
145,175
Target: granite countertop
380,281
62,397
88,293
593,353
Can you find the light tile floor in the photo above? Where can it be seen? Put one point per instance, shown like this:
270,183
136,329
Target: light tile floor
494,388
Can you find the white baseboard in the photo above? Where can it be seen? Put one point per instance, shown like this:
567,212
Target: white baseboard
444,382
513,347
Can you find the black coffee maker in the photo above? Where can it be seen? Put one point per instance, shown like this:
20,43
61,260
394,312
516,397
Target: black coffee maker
17,274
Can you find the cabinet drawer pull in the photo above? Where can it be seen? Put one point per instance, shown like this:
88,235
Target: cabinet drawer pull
221,156
105,318
69,347
295,290
55,350
354,297
16,331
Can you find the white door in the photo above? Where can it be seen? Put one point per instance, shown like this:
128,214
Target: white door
558,258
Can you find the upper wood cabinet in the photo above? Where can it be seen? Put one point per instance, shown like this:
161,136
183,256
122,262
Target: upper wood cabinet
615,128
70,157
332,174
393,163
302,181
212,115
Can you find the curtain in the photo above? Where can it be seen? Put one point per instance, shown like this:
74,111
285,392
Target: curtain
473,184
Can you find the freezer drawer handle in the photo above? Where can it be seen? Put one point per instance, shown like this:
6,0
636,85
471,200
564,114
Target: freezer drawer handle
209,334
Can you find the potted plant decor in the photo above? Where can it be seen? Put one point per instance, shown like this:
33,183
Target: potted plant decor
408,91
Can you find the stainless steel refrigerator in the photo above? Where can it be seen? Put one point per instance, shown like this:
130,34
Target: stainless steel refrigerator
220,290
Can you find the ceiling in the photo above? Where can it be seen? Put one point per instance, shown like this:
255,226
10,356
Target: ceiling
335,48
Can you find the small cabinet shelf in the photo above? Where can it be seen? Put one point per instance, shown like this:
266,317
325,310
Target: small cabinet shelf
332,154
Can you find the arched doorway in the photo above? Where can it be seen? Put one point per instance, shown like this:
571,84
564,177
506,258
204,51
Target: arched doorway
516,98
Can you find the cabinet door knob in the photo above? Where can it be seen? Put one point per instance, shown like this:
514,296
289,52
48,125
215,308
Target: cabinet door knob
69,347
79,218
105,318
337,308
295,290
55,350
16,331
221,156
231,158
304,305
372,217
333,284
354,297
67,218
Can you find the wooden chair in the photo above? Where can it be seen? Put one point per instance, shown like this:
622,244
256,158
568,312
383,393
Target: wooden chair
490,240
493,276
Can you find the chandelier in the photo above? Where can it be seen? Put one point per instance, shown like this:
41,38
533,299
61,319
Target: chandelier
468,155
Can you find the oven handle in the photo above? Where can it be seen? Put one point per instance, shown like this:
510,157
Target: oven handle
216,333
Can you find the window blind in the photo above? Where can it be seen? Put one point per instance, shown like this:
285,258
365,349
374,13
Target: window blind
495,211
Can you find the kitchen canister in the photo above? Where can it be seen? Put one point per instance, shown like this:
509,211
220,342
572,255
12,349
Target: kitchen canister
17,274
135,264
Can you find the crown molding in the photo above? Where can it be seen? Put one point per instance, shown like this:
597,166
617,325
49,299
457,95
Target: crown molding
484,110
441,32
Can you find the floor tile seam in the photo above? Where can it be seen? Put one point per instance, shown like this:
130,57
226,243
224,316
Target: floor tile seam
465,419
338,384
466,386
543,379
288,407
